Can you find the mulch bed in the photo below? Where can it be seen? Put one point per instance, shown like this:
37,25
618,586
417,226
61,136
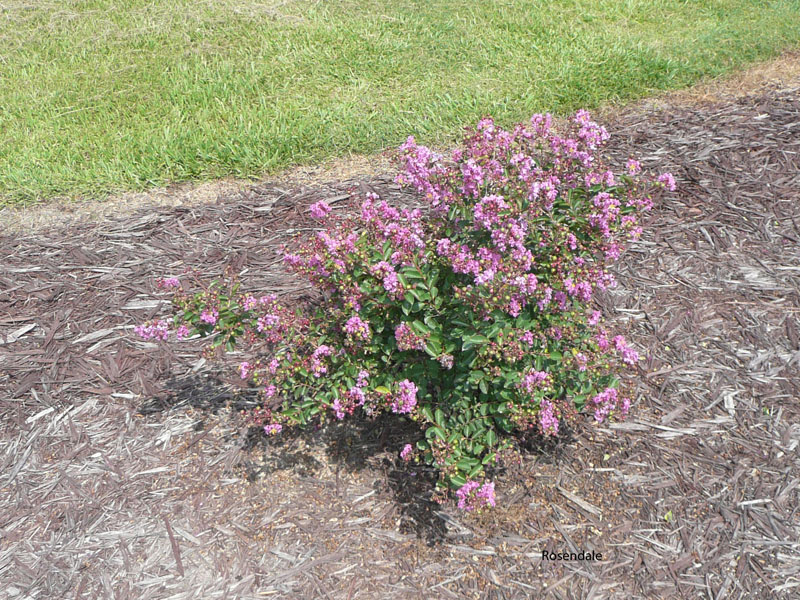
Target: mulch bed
126,472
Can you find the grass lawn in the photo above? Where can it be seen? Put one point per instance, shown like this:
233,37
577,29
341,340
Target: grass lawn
98,96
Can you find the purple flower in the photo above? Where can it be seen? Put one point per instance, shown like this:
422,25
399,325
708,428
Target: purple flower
273,428
158,329
668,180
472,495
486,494
633,166
405,453
245,369
548,420
320,210
168,283
338,409
605,402
464,494
405,400
317,368
356,328
533,381
357,396
209,316
629,355
182,332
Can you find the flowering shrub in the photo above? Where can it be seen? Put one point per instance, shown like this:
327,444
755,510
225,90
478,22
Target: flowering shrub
472,318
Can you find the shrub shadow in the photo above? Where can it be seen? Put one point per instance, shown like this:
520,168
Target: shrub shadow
354,444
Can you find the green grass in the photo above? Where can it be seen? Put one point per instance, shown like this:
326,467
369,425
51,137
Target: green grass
101,96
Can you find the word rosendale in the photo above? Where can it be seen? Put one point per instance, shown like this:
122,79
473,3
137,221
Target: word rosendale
591,555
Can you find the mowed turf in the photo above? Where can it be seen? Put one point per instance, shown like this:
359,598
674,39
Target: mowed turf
102,96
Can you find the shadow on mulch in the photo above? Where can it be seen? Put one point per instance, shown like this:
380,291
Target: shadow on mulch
352,445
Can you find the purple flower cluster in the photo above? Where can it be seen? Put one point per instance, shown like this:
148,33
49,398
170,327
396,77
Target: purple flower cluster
273,428
548,421
474,496
534,380
386,273
607,401
629,355
245,370
210,316
487,211
320,210
404,401
318,369
406,452
357,329
168,283
158,329
668,180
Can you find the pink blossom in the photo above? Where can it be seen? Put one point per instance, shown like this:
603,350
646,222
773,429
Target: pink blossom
464,494
245,369
209,316
320,210
485,494
168,283
158,329
534,380
405,400
363,377
356,328
338,409
633,166
472,495
605,402
548,421
273,428
668,180
406,452
357,396
273,365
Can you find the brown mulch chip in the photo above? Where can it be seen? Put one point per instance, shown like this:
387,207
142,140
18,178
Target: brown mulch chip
125,471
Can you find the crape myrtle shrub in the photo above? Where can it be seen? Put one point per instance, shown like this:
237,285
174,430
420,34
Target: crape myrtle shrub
472,318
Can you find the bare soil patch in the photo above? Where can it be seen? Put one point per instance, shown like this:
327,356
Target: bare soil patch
126,473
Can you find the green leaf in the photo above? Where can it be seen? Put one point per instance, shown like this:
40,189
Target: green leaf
457,481
465,464
432,432
419,327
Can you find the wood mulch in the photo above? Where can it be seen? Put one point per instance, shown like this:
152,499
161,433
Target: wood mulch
125,471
